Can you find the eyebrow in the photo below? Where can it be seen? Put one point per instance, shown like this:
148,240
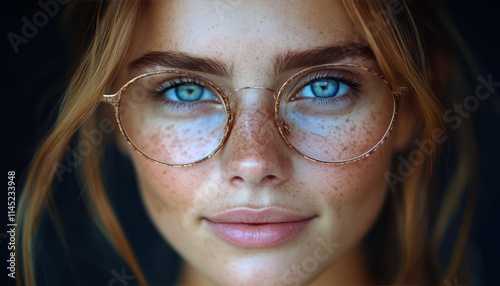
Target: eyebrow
180,60
282,62
299,59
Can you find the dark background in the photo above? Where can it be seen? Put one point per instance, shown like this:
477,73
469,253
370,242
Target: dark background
33,80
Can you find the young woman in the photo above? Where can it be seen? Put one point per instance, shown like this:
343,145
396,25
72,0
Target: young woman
273,143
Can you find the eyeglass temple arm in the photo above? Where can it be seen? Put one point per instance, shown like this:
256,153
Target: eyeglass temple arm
403,90
110,99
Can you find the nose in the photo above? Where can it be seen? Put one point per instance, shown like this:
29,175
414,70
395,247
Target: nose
255,155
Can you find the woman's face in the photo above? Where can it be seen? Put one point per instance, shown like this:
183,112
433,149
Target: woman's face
257,210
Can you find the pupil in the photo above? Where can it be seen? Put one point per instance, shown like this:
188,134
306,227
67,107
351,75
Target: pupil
325,88
189,92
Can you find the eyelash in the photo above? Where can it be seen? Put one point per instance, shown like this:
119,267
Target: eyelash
352,82
164,86
173,83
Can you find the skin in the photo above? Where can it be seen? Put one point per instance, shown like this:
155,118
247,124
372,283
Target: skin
256,168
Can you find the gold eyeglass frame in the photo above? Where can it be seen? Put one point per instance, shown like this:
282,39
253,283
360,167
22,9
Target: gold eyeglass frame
115,100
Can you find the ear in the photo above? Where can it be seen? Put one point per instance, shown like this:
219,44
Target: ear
407,124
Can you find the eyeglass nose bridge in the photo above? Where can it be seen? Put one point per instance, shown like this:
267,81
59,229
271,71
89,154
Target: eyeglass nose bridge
232,92
281,123
251,87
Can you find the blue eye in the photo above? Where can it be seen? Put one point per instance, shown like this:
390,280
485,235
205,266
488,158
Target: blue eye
188,92
325,88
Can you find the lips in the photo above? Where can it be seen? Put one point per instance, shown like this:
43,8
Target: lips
258,228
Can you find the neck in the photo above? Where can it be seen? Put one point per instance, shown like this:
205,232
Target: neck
350,269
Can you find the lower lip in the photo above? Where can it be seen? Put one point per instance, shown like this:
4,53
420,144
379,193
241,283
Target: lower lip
258,235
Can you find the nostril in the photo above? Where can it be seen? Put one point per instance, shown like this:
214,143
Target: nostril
237,180
269,179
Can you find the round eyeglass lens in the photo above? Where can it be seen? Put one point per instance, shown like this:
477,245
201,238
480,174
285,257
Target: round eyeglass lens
335,113
173,117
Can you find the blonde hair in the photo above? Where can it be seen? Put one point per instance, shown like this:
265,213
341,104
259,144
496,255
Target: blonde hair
401,44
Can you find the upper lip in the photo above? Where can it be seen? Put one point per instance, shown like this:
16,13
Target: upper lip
258,216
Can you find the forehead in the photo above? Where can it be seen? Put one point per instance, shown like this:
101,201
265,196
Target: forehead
246,33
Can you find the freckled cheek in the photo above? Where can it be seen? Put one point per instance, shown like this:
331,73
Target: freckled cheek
170,196
348,188
162,188
351,197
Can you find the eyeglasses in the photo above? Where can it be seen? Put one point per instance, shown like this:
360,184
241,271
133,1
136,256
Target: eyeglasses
330,114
